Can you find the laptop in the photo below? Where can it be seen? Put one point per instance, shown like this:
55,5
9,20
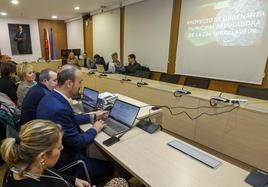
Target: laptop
100,68
89,101
121,118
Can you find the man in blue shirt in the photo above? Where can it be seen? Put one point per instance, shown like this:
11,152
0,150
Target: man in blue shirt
56,107
47,82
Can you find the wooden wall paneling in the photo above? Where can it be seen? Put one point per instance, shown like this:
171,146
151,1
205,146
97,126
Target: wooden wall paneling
60,32
156,75
223,86
88,36
122,33
174,31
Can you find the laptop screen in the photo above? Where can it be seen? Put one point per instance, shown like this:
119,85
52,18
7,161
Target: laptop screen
125,113
90,97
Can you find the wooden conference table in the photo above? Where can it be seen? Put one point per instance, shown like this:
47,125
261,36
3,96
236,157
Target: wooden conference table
241,134
152,161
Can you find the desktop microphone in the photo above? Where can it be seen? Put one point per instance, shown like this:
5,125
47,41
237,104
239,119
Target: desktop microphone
125,79
181,92
214,100
141,83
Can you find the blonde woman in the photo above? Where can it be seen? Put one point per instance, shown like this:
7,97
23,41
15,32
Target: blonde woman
30,156
72,59
27,81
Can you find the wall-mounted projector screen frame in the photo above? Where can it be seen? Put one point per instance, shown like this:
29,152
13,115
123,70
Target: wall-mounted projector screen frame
226,40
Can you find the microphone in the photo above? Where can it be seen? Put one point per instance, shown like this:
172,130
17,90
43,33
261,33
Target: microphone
141,83
125,78
181,92
214,100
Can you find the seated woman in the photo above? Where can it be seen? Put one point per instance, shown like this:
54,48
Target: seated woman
28,80
30,156
72,59
7,86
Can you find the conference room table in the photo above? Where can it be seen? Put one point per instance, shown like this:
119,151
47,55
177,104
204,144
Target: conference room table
149,158
240,133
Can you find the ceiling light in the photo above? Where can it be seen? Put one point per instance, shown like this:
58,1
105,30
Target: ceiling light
3,13
77,8
54,17
15,2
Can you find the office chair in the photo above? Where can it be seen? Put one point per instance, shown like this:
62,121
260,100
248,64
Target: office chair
259,93
73,164
165,77
143,74
197,82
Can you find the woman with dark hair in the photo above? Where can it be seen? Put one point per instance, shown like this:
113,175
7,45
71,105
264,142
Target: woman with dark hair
7,86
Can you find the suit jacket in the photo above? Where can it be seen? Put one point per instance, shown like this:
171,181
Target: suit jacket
56,108
31,101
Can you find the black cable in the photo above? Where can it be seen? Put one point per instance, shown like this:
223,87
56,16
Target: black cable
203,113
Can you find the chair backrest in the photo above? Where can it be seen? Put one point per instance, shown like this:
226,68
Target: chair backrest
197,82
259,93
143,74
170,78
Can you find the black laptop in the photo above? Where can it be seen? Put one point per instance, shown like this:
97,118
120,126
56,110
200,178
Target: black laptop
89,101
121,118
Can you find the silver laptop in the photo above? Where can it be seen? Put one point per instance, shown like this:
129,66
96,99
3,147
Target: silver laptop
89,101
121,118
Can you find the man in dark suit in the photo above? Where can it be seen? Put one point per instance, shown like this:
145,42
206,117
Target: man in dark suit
56,107
133,65
47,82
20,39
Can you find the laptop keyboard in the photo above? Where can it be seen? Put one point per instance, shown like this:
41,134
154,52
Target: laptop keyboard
116,126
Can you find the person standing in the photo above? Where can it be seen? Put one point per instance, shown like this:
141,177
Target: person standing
20,38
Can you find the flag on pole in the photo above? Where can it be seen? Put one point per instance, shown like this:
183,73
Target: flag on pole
46,45
54,53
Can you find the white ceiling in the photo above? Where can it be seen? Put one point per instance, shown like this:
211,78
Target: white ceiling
44,9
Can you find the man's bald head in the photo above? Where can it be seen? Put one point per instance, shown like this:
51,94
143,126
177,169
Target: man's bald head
67,72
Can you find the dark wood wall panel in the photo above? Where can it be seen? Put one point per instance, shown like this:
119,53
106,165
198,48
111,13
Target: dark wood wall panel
60,32
88,36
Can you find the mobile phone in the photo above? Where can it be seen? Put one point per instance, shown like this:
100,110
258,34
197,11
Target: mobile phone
110,141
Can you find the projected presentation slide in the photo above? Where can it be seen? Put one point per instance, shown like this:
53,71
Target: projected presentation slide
227,23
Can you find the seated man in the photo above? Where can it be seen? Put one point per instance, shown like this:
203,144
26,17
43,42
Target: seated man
133,65
56,107
47,82
115,66
98,60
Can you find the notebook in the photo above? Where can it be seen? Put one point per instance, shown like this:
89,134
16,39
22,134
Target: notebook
121,118
89,101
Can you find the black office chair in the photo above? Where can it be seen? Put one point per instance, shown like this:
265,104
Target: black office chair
169,78
259,93
73,164
143,74
197,82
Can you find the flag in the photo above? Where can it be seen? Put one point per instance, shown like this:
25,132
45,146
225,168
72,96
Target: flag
54,53
47,45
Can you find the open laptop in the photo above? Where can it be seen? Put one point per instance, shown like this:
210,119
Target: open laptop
89,101
121,118
100,68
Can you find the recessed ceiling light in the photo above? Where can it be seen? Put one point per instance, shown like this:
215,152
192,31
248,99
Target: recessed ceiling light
54,17
15,2
77,8
3,13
